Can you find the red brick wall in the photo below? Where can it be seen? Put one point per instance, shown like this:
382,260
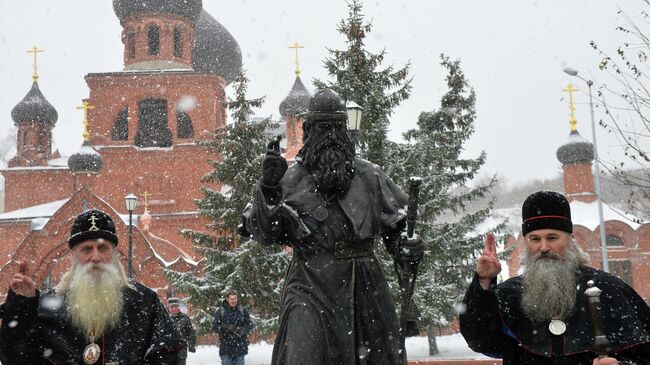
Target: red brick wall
29,187
166,22
579,183
110,93
11,234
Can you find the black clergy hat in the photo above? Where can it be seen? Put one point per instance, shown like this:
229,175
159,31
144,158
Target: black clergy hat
92,224
546,210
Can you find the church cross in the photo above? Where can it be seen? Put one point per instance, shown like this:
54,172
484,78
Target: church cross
35,50
92,220
296,46
86,105
570,89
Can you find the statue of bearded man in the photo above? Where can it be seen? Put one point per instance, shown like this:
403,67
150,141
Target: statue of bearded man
332,208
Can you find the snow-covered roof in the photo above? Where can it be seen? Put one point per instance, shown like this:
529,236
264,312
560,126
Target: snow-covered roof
586,214
37,211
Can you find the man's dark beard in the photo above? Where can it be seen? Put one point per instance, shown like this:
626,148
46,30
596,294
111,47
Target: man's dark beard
329,158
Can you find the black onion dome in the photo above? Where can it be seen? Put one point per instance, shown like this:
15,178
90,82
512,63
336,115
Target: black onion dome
576,151
34,107
297,101
187,8
215,49
85,161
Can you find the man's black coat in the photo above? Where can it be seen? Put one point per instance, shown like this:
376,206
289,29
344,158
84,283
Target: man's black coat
36,332
494,323
233,326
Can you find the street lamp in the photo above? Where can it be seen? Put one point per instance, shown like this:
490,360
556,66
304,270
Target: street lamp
131,202
603,240
354,119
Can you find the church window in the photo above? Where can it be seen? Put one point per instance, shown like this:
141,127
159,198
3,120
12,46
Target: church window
120,130
153,129
622,269
184,128
153,34
130,44
178,42
613,240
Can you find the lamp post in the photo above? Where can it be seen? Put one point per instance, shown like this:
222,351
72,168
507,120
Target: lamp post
131,202
603,239
354,119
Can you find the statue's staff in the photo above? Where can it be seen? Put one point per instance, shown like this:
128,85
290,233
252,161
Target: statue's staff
407,271
600,344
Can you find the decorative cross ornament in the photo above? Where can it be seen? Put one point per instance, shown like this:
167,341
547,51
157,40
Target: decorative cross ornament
35,50
92,220
573,121
296,46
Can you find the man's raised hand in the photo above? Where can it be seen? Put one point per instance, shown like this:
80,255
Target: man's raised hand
22,284
274,165
488,265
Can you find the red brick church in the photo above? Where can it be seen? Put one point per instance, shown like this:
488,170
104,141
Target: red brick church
143,125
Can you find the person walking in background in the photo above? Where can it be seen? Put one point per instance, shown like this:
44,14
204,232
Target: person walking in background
184,325
232,324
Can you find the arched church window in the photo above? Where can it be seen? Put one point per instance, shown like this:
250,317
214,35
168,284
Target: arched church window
153,129
613,240
120,130
184,128
47,282
130,44
178,42
153,34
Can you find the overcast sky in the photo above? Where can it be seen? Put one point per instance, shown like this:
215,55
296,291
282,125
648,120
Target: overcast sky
512,52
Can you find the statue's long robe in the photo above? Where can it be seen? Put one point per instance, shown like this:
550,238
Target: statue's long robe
336,308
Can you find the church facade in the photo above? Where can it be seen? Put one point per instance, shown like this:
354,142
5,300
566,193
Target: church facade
143,127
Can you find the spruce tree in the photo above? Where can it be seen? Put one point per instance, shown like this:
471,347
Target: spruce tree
433,152
231,262
358,75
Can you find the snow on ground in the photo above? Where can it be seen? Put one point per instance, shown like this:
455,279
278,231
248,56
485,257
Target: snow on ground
451,347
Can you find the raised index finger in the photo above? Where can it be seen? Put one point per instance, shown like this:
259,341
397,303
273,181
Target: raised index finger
22,267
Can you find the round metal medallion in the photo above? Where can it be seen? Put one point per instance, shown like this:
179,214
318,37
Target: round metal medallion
557,327
91,353
320,213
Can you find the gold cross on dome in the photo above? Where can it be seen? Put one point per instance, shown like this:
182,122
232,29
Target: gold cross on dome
296,46
146,195
35,50
573,121
86,105
92,220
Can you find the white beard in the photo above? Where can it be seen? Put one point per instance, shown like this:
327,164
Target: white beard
94,298
549,284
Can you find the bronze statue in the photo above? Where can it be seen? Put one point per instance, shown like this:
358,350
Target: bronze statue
331,208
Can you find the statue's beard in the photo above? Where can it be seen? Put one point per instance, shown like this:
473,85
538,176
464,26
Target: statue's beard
549,285
329,158
94,297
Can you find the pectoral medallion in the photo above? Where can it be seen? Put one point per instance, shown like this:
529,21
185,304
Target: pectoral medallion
91,352
557,327
320,213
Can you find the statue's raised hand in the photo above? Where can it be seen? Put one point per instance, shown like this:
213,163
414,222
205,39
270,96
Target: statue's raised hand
274,165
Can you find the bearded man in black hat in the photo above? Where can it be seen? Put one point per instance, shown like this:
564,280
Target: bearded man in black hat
331,208
95,315
543,316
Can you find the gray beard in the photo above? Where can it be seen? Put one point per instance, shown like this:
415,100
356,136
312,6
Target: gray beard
549,286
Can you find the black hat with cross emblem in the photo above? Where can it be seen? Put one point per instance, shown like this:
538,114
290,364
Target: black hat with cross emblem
92,224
